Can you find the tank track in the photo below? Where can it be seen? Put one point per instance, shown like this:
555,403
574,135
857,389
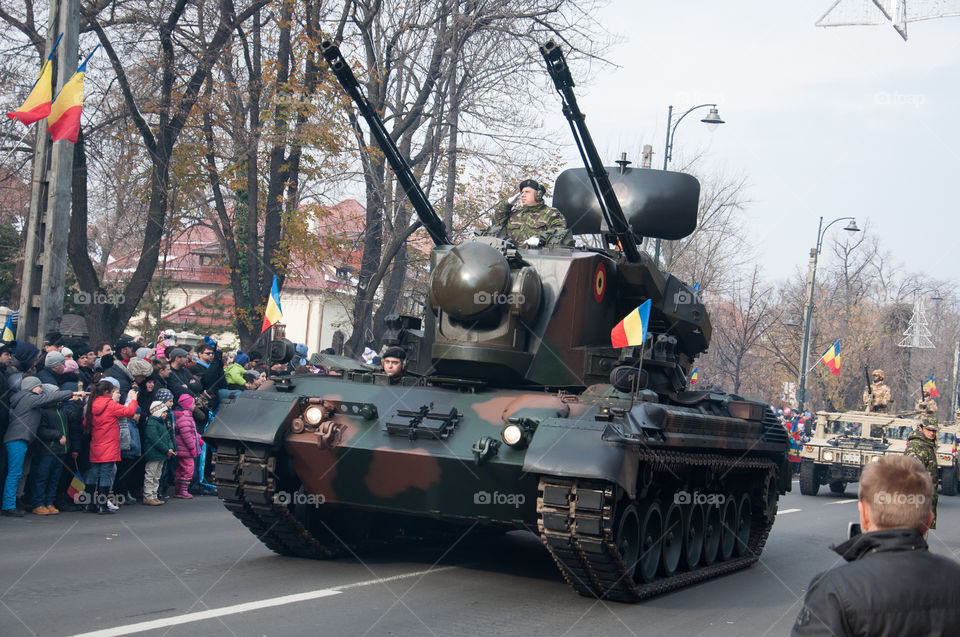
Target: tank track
247,485
582,542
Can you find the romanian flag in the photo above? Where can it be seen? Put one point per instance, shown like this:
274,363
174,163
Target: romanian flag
64,119
37,105
930,387
695,376
273,312
632,330
76,487
831,358
7,334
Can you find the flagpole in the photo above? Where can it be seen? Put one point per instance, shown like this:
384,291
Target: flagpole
13,148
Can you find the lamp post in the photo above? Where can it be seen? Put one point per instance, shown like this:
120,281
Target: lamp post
808,313
712,119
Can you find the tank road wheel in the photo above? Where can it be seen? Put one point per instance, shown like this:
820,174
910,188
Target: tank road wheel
728,527
693,527
744,523
772,497
948,481
627,537
711,533
809,481
838,487
651,533
672,539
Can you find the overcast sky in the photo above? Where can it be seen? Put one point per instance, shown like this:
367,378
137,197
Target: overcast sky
843,121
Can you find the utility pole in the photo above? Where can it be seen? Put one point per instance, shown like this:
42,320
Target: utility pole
45,255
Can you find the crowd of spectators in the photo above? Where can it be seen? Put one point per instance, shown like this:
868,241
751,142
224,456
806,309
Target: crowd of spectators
97,428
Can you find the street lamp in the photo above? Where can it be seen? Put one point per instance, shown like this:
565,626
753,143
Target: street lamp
811,281
712,120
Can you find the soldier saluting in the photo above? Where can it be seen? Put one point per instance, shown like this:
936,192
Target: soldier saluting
876,397
922,445
532,218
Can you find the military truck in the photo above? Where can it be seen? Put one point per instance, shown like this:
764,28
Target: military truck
838,447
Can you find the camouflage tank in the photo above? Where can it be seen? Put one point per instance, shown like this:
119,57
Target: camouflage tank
516,413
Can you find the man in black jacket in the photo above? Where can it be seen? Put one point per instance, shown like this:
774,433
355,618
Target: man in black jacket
181,381
892,583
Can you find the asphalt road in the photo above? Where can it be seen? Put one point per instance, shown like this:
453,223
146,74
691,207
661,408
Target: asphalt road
189,568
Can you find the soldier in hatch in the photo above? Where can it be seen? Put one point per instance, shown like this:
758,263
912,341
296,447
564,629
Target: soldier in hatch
877,397
531,219
394,362
926,405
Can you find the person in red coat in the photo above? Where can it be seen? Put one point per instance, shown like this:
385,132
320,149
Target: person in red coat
103,422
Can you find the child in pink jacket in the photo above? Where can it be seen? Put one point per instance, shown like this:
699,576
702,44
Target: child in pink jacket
188,445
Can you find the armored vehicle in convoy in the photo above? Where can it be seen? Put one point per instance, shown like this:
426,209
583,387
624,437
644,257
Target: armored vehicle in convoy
515,412
842,443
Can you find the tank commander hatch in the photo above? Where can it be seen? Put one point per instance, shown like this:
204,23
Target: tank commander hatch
533,221
876,398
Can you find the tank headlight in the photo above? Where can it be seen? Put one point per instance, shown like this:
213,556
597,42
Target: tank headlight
513,436
874,458
828,455
313,414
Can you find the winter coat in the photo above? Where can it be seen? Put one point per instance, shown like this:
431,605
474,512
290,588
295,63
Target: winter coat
4,400
186,427
181,381
156,440
48,377
119,371
25,407
234,375
73,412
891,585
105,429
53,426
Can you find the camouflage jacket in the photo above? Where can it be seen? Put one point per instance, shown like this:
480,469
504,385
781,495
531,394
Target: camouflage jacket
519,223
880,399
924,450
925,406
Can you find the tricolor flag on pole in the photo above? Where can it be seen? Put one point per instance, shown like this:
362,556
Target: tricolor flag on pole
273,312
831,358
37,105
76,487
632,330
695,376
931,387
63,122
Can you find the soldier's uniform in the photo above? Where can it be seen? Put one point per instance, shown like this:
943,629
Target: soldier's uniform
926,405
925,450
519,223
877,399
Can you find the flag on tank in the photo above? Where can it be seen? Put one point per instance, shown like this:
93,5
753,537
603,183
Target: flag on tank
632,330
273,313
930,387
695,376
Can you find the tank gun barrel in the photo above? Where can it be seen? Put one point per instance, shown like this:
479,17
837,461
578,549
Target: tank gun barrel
609,205
342,71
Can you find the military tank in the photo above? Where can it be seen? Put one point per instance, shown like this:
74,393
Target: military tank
514,411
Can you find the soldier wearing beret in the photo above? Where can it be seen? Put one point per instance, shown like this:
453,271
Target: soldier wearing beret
394,362
922,445
532,219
